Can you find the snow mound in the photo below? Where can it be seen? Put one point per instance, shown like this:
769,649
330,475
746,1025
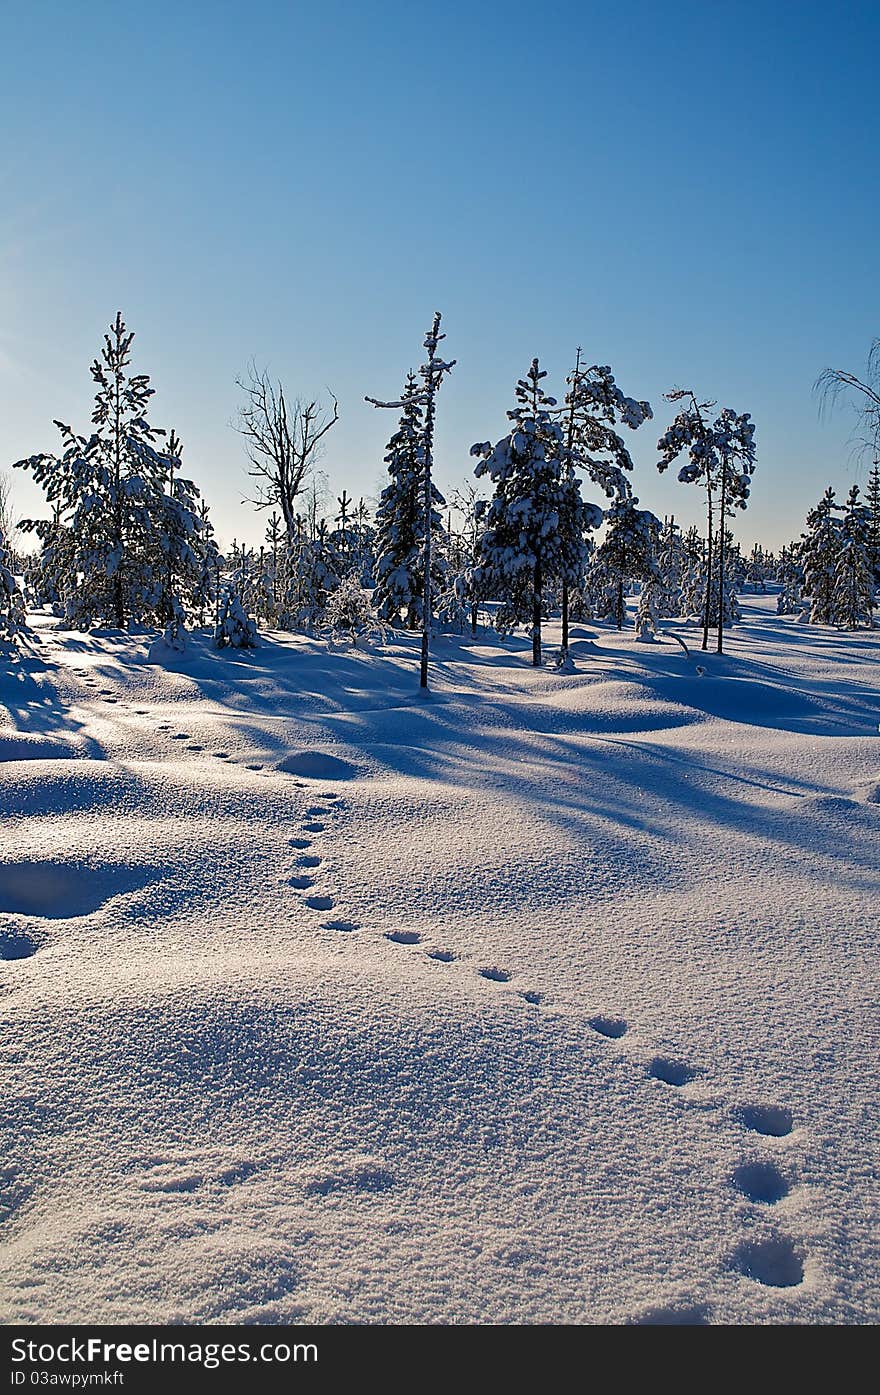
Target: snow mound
27,746
63,891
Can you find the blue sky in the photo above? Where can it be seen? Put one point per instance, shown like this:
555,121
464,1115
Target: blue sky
689,191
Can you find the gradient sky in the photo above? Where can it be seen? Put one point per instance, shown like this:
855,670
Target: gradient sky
688,190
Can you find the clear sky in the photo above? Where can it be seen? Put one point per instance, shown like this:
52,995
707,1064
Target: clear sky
688,190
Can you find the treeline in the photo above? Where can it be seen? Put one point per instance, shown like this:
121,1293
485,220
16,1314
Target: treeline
129,541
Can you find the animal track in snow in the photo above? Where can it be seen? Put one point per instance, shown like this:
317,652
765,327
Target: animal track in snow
444,956
346,927
688,1315
195,748
314,827
300,842
613,1027
180,736
256,766
773,1262
760,1181
310,860
301,881
533,998
15,944
220,755
496,975
320,903
318,809
404,937
671,1072
774,1120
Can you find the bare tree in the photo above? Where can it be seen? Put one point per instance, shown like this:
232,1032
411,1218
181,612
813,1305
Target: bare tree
5,504
834,383
283,442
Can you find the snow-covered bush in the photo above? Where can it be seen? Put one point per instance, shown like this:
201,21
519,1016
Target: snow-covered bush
235,628
349,610
12,612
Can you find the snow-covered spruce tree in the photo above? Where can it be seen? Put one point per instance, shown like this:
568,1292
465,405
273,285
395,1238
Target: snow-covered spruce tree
314,579
536,519
593,407
724,609
176,537
12,611
853,597
400,521
459,603
205,592
432,373
789,575
627,553
672,562
721,459
235,628
106,490
872,499
820,551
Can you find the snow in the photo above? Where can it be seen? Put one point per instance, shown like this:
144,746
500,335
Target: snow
547,999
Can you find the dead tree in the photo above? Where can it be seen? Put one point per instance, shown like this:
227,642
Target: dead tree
283,441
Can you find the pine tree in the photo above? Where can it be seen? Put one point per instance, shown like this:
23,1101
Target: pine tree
594,405
432,373
400,521
721,459
853,593
536,520
820,553
120,529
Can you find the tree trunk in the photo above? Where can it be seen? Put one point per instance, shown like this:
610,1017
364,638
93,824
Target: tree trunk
474,614
564,618
620,606
720,644
708,574
536,615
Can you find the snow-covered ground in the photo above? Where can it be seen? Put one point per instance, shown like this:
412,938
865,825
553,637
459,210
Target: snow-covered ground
548,998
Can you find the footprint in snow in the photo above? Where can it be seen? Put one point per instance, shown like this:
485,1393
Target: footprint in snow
533,998
773,1120
310,860
346,927
613,1027
180,736
316,809
687,1315
16,944
195,748
320,903
314,827
220,755
671,1072
403,937
774,1262
300,842
301,882
443,956
496,975
253,767
760,1182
